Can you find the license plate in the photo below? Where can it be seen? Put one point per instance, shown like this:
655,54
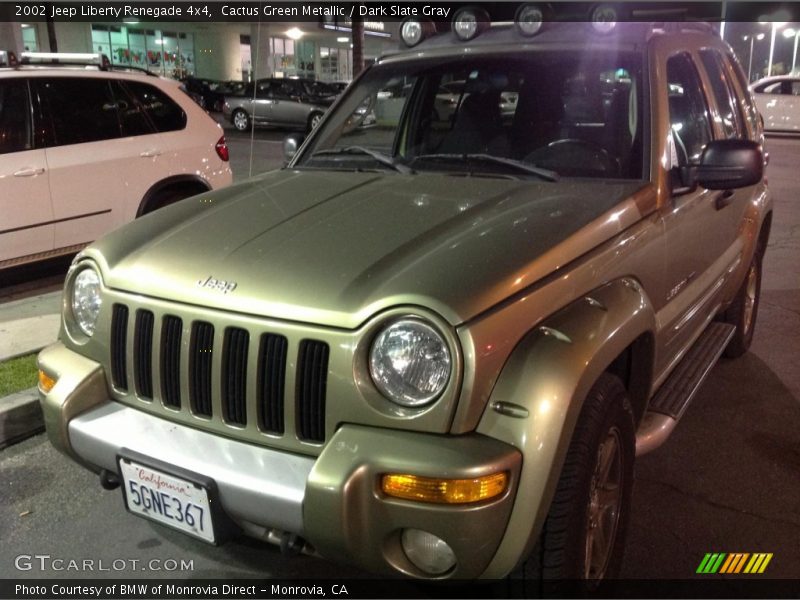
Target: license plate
167,499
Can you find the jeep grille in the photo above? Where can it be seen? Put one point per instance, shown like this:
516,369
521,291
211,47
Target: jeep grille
266,408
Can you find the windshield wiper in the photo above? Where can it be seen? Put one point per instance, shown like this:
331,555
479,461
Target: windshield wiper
498,160
378,156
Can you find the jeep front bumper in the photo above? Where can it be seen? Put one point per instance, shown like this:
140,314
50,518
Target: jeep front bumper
333,500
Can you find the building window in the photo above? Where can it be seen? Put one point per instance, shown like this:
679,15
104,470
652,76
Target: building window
29,41
167,53
336,64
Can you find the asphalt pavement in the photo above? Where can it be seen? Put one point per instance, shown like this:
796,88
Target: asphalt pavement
726,481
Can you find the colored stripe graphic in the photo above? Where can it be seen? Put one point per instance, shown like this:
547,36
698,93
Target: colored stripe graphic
711,563
758,563
734,563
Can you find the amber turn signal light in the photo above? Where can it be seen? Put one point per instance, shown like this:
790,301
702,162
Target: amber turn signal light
46,383
444,491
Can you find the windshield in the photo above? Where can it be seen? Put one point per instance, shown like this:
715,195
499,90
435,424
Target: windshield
562,114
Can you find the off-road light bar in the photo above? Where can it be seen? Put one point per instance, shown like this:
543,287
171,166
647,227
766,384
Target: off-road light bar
444,491
604,18
529,19
470,22
413,30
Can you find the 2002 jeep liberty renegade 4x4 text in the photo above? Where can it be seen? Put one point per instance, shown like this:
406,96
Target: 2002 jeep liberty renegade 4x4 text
434,342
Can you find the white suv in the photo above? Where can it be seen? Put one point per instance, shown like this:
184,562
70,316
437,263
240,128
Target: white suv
83,151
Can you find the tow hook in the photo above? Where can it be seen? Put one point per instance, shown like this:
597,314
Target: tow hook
109,480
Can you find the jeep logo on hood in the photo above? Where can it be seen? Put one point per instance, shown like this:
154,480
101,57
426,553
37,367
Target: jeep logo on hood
217,284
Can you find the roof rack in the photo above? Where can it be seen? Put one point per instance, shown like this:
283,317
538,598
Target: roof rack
100,61
677,26
8,58
74,59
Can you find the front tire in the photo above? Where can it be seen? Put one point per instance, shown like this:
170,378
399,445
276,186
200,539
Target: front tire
313,121
241,120
743,311
583,536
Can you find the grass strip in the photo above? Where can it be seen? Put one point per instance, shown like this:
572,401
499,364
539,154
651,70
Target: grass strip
18,374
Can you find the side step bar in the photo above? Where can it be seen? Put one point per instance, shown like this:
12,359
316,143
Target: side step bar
673,397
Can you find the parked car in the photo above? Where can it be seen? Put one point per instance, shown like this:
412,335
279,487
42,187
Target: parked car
84,151
434,352
208,93
280,102
778,100
338,86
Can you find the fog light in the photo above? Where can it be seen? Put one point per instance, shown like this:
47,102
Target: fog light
444,491
469,23
46,383
427,552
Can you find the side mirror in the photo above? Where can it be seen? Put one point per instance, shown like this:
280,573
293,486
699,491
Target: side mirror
730,164
291,143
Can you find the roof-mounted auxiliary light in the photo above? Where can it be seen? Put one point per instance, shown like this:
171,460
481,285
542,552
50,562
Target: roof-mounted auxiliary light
529,19
604,18
470,22
414,30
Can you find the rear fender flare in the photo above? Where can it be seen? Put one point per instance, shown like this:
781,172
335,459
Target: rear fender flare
537,399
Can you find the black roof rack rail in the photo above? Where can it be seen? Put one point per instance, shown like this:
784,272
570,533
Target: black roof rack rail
676,26
114,67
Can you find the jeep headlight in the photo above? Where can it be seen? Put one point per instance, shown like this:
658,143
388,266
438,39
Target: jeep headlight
410,362
86,300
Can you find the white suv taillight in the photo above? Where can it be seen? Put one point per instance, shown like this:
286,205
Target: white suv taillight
222,149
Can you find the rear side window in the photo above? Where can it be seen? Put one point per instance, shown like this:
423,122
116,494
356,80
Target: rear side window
15,116
162,111
80,109
749,106
729,111
132,116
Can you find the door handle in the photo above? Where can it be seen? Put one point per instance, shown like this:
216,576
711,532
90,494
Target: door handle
150,153
723,199
29,172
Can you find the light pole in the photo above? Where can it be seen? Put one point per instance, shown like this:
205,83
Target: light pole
775,27
787,33
752,38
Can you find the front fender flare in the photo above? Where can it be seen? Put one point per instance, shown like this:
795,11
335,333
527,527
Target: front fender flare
537,399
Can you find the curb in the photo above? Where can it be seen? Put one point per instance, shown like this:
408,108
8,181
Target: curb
20,417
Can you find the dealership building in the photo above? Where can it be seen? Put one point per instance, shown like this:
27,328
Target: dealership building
238,51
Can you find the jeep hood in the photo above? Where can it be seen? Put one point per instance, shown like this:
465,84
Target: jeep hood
334,248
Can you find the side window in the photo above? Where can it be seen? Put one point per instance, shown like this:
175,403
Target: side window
162,111
81,109
264,89
15,116
729,112
132,117
688,112
285,90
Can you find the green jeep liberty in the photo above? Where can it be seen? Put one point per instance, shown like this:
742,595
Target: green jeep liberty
434,343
